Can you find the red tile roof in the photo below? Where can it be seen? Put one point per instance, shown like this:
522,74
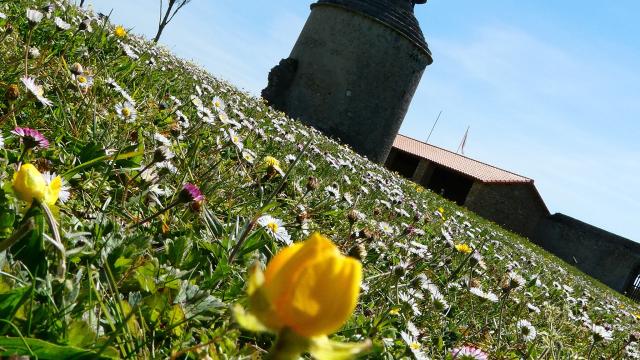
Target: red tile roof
460,163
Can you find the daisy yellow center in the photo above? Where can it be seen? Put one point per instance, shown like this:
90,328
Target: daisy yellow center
126,112
217,104
39,91
82,79
415,346
273,226
236,139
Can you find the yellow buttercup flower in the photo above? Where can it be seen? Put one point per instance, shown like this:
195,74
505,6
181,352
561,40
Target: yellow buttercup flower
308,291
120,32
29,184
301,283
464,248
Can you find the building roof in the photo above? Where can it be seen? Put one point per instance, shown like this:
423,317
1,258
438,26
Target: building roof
478,170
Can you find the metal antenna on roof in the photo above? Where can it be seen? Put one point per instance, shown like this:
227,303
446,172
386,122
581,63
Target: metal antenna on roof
433,127
463,142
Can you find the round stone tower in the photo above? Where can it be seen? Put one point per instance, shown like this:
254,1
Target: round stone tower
353,71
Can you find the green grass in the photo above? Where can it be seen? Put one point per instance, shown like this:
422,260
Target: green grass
164,287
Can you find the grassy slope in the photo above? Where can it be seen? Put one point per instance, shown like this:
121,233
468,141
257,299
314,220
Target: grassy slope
164,287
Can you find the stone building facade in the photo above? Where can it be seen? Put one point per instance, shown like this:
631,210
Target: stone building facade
512,201
508,199
607,257
353,72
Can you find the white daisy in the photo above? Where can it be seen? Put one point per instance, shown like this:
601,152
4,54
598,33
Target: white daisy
527,331
162,139
34,53
36,90
275,228
386,228
600,333
162,153
533,308
166,166
225,119
249,156
484,295
65,193
130,52
414,346
34,16
235,139
61,24
84,82
515,281
126,111
218,104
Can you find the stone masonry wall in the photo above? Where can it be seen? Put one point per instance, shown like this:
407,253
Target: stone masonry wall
607,257
513,206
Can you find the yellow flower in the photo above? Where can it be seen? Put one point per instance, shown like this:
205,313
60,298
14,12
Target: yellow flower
120,31
464,248
273,165
271,161
29,184
300,287
307,291
52,191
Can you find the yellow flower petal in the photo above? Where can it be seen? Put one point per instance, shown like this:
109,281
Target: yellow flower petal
52,191
28,183
324,296
301,284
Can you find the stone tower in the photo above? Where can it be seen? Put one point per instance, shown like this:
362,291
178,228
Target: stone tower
353,71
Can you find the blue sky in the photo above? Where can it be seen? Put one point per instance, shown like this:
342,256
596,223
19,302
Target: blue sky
550,89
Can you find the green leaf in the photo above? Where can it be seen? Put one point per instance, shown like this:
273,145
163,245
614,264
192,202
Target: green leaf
30,247
11,301
122,262
146,277
154,306
45,350
80,333
175,320
122,156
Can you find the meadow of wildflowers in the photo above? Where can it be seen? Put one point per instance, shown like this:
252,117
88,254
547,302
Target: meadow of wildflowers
149,210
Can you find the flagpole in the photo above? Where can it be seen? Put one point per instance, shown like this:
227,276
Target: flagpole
463,142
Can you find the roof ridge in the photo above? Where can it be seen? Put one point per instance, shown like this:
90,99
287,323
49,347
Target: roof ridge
466,157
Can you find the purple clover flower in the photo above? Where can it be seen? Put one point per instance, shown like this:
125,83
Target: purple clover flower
31,138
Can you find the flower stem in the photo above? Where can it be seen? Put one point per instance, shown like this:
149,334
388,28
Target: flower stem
57,241
593,344
288,346
174,204
26,53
